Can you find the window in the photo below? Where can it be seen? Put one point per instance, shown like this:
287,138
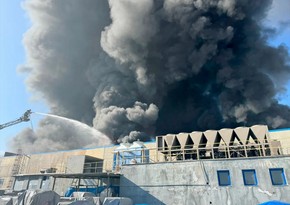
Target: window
19,184
224,177
1,182
33,183
277,176
249,176
45,183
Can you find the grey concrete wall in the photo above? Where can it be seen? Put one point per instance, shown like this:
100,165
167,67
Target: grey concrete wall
75,164
284,137
196,182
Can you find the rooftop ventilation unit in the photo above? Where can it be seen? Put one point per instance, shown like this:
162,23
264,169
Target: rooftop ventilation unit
224,143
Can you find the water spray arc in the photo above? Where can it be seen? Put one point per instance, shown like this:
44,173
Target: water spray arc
78,124
64,133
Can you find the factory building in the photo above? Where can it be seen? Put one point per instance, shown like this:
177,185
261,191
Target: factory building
252,161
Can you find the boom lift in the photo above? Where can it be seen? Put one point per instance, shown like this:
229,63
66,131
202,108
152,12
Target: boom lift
24,118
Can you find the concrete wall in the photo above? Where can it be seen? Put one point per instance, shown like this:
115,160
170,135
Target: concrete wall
6,171
284,137
60,160
196,182
75,164
34,163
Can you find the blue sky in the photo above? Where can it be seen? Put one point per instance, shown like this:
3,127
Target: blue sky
15,99
280,13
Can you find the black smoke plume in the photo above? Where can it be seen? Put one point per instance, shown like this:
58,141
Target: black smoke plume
134,69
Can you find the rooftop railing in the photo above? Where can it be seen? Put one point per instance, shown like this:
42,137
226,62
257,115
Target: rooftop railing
190,152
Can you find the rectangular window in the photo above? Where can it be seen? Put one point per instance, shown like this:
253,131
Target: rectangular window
277,176
33,183
45,183
224,178
19,184
1,182
249,176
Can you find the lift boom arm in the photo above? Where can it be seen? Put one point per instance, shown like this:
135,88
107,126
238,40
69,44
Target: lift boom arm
24,118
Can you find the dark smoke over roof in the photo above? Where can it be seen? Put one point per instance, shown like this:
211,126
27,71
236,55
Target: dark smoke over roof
136,69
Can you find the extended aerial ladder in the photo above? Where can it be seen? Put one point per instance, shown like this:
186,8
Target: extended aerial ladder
24,118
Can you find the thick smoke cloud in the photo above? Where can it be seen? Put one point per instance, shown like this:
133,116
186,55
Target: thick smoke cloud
136,69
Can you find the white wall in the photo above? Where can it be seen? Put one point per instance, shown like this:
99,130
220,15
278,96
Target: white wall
186,182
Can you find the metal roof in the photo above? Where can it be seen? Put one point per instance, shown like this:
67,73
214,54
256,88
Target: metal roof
75,175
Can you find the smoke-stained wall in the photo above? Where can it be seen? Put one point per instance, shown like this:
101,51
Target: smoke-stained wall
197,182
136,69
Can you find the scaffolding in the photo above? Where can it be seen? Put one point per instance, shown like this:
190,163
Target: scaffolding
17,167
